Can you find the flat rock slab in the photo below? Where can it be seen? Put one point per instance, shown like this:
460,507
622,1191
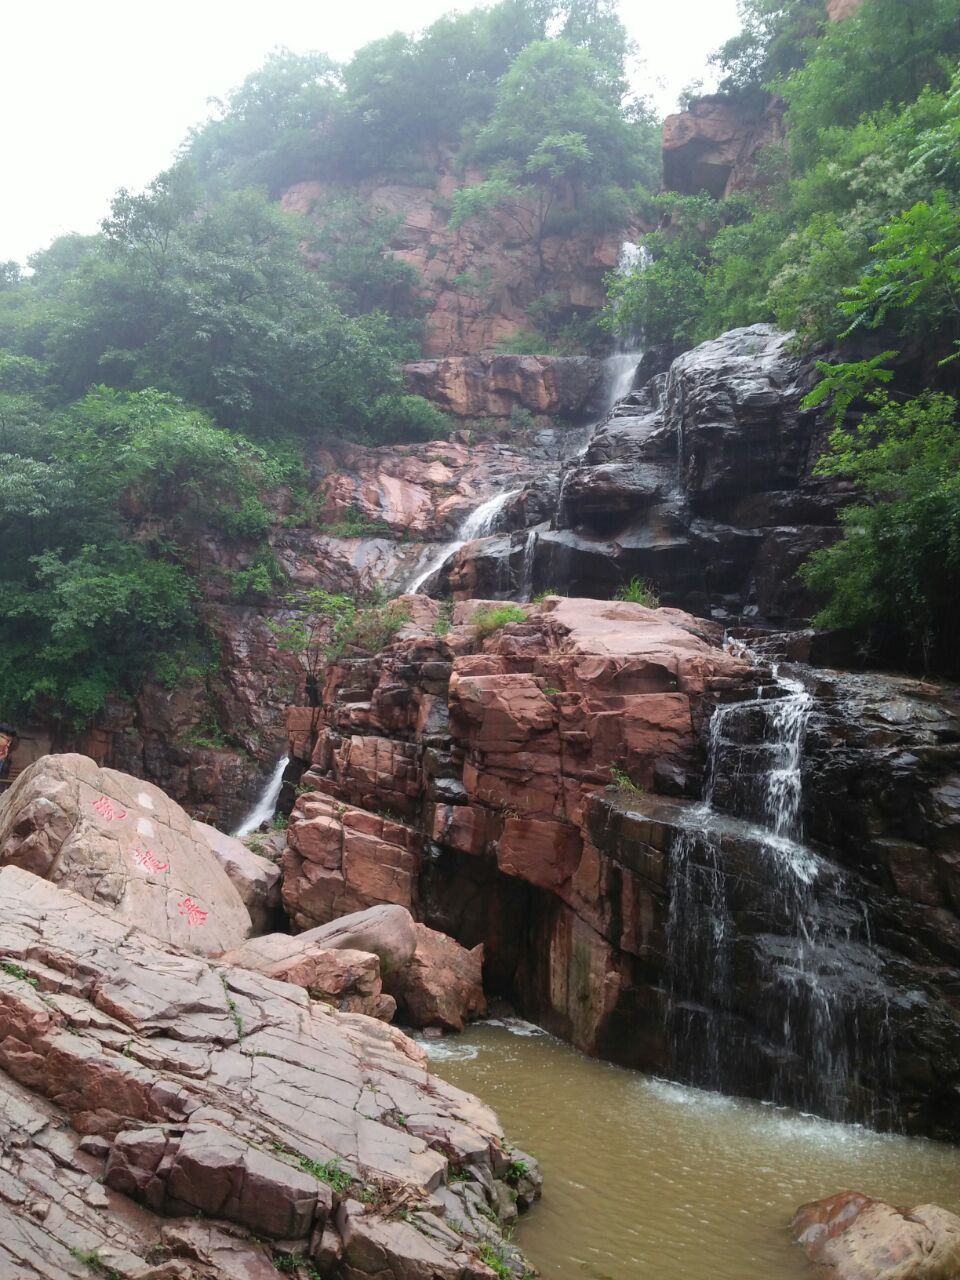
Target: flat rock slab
138,1080
124,845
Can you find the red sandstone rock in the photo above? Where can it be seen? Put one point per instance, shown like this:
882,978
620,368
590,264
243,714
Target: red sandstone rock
837,10
347,980
256,879
341,859
525,726
442,985
123,844
509,271
713,145
853,1237
136,1080
492,386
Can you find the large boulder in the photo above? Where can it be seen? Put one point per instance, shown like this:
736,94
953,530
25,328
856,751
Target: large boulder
852,1237
161,1105
123,844
347,980
442,985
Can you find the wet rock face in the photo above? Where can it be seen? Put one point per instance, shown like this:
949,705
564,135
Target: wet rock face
486,753
702,482
171,1117
852,1237
602,909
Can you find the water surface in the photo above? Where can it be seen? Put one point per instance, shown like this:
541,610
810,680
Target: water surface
647,1180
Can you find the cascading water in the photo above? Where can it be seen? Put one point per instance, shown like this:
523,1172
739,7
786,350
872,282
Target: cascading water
771,975
527,564
480,523
266,803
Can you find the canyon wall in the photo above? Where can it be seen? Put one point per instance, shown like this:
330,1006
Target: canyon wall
479,279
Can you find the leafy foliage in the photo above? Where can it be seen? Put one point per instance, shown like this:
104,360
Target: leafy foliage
638,591
99,504
897,568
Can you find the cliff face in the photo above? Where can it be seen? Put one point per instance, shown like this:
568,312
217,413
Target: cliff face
535,790
479,279
701,481
715,145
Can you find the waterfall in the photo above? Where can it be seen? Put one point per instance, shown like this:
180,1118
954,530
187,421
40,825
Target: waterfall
771,975
480,523
266,803
527,564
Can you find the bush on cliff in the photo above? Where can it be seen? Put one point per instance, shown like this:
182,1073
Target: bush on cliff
897,568
100,506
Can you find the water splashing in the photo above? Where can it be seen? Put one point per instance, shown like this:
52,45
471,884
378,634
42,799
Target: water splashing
748,898
480,523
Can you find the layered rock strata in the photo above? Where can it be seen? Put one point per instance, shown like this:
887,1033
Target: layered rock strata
702,482
170,1117
482,756
535,787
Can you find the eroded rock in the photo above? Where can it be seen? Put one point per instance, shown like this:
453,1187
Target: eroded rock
441,985
852,1237
136,1079
125,846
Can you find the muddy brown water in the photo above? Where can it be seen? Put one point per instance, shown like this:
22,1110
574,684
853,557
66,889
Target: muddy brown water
646,1180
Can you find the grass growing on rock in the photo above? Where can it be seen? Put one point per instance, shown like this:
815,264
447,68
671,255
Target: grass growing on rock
638,591
17,971
487,621
623,783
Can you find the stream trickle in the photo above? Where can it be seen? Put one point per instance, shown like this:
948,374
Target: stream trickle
646,1180
480,522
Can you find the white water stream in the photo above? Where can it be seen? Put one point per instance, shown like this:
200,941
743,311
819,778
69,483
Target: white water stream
266,803
480,523
618,373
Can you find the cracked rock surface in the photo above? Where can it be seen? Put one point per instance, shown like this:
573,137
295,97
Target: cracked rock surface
169,1116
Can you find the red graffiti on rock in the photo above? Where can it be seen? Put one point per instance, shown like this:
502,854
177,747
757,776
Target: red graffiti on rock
104,806
194,914
150,862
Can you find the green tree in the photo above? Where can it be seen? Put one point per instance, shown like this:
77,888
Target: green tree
897,567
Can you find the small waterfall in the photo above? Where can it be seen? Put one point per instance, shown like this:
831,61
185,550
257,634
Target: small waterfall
266,803
771,972
527,565
480,523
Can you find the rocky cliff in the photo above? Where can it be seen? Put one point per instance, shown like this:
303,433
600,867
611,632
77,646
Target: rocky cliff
534,788
715,144
701,482
177,1112
479,280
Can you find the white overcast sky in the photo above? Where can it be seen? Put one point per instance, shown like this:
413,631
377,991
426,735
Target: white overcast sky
98,94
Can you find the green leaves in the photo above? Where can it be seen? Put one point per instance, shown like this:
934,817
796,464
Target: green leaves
915,272
897,567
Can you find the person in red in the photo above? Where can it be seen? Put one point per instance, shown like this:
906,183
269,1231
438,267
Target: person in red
8,742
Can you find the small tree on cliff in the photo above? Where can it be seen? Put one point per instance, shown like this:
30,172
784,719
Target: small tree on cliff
557,132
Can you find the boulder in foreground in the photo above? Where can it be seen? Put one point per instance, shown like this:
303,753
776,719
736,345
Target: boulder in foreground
138,1081
124,845
853,1237
442,985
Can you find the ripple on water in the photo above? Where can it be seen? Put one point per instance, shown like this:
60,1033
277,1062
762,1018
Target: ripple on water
650,1180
